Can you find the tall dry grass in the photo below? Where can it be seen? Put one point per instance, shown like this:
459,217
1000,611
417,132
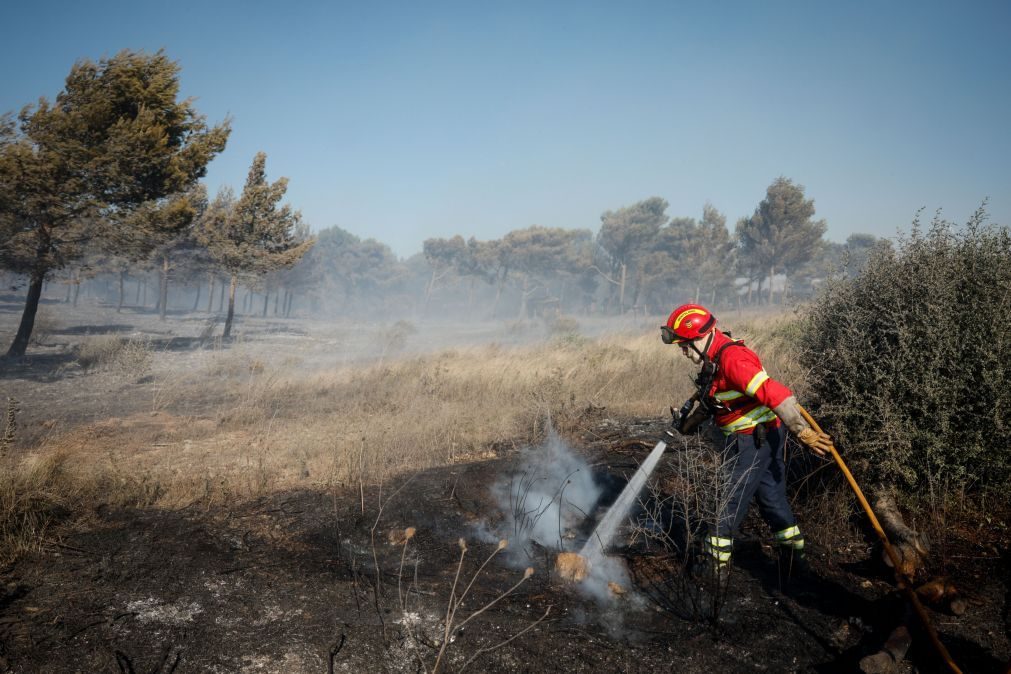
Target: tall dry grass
238,427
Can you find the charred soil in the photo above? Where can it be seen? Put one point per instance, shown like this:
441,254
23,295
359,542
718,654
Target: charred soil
289,583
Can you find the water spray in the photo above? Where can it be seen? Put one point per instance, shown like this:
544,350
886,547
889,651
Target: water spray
590,561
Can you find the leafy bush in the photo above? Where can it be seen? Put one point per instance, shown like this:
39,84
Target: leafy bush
910,362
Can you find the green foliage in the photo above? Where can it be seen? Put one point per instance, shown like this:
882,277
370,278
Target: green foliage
115,138
629,230
780,235
910,361
255,234
345,268
690,258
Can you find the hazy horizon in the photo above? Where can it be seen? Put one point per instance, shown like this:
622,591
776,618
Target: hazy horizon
399,123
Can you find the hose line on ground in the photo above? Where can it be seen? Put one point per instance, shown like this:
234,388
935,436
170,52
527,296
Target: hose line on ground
901,579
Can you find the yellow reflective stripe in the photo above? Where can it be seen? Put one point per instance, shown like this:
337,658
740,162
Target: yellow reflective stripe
720,556
788,532
729,395
755,382
759,415
685,314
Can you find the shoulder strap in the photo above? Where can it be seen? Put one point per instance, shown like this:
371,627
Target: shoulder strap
719,352
710,366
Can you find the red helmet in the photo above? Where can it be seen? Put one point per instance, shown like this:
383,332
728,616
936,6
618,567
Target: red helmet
688,321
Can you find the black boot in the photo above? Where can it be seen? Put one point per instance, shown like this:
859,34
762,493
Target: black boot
793,563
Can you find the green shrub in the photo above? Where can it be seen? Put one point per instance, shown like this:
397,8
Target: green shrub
910,362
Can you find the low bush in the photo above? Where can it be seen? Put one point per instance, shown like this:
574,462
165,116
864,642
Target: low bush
910,362
132,356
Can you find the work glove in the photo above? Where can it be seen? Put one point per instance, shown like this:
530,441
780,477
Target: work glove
819,443
687,421
692,422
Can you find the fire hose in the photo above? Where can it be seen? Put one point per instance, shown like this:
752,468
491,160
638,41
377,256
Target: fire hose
903,582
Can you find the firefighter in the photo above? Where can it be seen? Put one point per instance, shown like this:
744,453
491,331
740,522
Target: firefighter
750,408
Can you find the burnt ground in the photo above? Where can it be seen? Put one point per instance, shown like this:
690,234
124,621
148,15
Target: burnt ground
288,584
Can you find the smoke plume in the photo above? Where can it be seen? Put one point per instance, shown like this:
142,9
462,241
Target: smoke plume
549,501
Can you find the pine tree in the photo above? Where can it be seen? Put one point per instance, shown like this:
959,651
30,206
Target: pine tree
781,233
252,236
115,137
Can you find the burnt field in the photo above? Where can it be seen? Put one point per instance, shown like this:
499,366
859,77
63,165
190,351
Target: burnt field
174,504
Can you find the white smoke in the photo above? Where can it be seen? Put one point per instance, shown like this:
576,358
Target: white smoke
547,503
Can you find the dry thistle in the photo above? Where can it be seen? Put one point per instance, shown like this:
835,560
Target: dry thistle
503,544
463,545
529,572
10,425
409,533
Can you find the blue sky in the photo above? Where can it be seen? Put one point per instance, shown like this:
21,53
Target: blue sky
401,121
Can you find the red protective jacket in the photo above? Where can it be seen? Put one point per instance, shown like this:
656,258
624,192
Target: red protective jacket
744,388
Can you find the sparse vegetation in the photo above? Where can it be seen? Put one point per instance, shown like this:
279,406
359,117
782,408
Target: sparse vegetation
10,425
263,425
131,356
45,326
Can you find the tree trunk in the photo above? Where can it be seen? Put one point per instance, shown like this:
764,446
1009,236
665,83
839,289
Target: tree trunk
428,291
136,299
144,298
498,295
122,275
77,286
523,299
266,302
163,288
621,294
277,295
70,282
20,343
221,298
210,291
289,299
772,275
231,308
749,291
196,302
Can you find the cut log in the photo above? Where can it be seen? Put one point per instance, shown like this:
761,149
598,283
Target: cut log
891,654
940,593
572,566
911,546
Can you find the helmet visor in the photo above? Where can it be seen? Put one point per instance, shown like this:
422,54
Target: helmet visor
669,336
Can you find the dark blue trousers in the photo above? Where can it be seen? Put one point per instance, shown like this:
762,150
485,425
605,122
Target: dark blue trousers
756,471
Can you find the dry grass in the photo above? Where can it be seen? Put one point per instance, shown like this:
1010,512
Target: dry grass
264,426
129,356
35,492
